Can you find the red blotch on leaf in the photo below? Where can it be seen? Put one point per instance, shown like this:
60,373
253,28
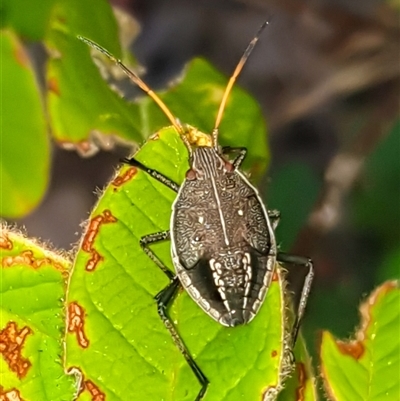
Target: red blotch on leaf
302,374
28,258
354,349
76,322
94,391
94,260
52,85
275,275
21,56
5,242
11,344
10,395
90,236
24,258
274,353
125,177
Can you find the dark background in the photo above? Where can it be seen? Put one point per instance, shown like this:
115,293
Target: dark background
326,74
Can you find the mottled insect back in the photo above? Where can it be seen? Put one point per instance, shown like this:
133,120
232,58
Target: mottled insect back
223,244
222,236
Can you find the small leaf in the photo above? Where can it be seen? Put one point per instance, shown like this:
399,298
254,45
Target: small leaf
367,368
25,155
33,284
120,344
301,385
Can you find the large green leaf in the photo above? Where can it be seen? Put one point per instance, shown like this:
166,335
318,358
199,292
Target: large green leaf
79,100
367,367
32,291
81,103
27,18
24,151
25,156
120,344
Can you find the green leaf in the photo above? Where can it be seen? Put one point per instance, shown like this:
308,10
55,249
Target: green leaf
79,100
301,386
372,211
196,100
294,191
32,290
25,155
390,268
28,18
367,368
120,344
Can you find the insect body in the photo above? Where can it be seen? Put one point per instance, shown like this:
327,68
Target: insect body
222,236
223,244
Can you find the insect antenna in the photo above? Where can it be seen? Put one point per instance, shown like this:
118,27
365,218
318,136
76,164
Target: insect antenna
142,85
232,81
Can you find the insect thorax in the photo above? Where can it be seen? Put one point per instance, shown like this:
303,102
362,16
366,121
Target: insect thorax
223,244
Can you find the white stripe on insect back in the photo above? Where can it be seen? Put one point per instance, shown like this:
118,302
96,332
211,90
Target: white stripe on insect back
207,158
247,277
221,216
219,283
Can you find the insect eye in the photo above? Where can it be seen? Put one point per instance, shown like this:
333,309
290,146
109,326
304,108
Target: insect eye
191,175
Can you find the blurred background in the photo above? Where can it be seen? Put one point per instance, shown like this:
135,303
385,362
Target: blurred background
326,74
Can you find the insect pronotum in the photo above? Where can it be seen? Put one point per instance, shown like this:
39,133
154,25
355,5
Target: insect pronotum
222,236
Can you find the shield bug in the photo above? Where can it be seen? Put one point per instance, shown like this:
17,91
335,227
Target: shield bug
222,236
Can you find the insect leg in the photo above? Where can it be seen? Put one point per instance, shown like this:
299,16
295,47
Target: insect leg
239,158
154,173
151,239
163,298
306,262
